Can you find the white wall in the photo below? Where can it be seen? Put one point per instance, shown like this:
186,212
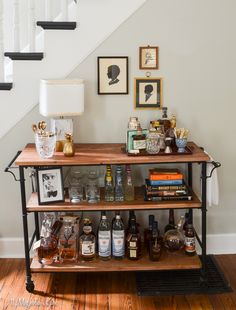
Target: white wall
197,46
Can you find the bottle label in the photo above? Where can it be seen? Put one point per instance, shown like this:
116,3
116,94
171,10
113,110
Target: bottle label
133,253
132,244
190,244
139,144
104,243
88,248
118,242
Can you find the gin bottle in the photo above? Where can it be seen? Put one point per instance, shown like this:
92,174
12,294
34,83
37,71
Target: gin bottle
104,238
109,188
129,187
118,238
119,190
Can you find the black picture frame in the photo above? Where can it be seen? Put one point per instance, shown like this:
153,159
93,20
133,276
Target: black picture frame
112,75
50,185
148,93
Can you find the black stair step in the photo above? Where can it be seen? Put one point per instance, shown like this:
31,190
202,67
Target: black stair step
24,56
6,86
57,25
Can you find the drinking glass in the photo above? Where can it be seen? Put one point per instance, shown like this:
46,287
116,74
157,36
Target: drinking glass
45,144
76,186
92,188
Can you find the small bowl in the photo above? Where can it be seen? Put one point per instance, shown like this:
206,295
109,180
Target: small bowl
181,144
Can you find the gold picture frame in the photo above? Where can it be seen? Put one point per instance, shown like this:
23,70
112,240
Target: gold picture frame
148,58
148,93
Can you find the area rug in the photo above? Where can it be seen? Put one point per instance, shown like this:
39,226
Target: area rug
182,282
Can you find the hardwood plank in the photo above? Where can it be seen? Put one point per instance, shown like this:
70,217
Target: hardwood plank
137,204
107,153
168,261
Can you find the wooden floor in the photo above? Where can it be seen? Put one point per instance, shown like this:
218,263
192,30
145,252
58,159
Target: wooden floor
108,291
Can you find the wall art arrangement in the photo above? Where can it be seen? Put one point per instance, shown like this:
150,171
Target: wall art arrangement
50,185
148,92
112,75
148,57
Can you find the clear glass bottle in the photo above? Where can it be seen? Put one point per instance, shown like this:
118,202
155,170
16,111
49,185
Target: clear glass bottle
119,189
139,140
68,239
152,142
48,248
92,188
87,242
155,243
104,238
118,238
109,187
133,241
129,187
76,186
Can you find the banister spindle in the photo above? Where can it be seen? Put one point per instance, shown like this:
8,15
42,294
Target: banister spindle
2,70
64,10
32,25
16,26
48,10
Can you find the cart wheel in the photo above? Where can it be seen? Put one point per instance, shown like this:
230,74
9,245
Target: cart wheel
30,287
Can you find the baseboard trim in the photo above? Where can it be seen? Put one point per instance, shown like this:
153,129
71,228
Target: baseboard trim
216,244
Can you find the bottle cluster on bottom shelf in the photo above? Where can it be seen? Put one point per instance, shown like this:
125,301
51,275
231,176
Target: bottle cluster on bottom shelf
60,241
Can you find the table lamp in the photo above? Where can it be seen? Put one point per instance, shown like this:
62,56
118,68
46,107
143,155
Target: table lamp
59,98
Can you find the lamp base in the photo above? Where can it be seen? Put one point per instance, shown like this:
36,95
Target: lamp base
61,127
60,145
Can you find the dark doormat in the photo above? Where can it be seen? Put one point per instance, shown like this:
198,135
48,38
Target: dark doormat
182,282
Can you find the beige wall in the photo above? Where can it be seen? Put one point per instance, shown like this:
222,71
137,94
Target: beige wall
197,46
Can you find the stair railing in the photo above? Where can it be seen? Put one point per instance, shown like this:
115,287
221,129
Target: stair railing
2,68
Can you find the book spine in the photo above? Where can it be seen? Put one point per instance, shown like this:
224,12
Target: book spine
165,188
166,198
166,182
167,193
154,177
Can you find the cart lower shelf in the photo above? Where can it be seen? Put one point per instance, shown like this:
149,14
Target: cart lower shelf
168,261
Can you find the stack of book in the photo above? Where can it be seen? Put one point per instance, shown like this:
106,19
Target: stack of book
166,184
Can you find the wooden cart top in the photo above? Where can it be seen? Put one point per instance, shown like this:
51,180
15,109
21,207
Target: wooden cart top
105,153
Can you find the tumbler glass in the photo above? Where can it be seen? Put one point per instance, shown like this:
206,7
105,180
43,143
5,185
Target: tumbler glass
45,144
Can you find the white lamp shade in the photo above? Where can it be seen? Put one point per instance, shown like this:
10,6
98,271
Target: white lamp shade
61,97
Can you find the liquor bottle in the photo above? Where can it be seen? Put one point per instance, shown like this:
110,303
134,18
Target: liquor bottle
190,245
155,243
118,238
174,238
48,244
171,224
186,222
109,188
164,121
104,238
139,140
119,190
148,231
129,187
68,239
133,241
170,133
87,241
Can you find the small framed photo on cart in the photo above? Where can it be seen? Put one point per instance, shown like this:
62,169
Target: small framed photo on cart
148,58
112,75
50,185
148,93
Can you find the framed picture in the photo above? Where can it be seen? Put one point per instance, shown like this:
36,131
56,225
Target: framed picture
148,93
148,57
50,185
112,75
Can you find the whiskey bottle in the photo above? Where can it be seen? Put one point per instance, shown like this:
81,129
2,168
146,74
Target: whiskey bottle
68,239
87,242
174,238
148,231
189,242
155,243
119,190
139,140
129,187
171,224
109,188
133,241
104,238
118,238
164,121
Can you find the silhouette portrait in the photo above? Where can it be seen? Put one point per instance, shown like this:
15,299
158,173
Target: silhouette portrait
148,91
112,73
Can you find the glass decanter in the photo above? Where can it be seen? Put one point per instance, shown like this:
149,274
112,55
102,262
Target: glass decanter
174,238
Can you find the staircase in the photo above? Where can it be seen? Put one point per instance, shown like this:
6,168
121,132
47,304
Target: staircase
55,51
